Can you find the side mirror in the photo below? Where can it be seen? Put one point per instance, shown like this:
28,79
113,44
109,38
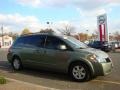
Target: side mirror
62,47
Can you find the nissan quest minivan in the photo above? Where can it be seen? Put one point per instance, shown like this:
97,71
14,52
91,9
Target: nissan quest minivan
59,53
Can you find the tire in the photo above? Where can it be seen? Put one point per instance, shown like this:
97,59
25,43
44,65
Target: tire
16,63
79,72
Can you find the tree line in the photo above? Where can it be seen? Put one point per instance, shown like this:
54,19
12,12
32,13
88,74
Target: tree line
68,30
80,36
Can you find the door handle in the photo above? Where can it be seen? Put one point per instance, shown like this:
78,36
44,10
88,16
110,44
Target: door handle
37,51
45,51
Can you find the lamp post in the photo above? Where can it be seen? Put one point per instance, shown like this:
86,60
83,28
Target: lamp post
49,24
110,36
87,34
2,35
78,36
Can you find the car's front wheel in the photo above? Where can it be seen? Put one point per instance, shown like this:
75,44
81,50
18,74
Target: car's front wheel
16,63
79,72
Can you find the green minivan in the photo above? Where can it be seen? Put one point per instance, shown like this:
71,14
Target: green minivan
59,53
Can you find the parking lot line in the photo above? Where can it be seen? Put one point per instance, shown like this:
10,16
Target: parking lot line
104,81
31,84
27,83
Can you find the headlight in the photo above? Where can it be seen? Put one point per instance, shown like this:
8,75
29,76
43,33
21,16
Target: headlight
101,60
92,57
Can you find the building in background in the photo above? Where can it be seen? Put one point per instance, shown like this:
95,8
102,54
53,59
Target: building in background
5,41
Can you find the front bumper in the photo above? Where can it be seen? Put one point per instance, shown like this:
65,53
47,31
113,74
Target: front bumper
107,68
101,69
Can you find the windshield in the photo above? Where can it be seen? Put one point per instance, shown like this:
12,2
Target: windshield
75,43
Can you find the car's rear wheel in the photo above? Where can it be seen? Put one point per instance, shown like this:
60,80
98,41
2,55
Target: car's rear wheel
16,63
79,72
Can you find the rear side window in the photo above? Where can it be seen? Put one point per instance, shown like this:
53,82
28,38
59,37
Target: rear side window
36,40
33,40
19,41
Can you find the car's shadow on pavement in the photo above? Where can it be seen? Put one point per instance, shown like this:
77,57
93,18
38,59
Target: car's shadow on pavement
5,66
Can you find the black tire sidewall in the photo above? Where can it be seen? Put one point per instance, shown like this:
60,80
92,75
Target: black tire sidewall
87,76
20,64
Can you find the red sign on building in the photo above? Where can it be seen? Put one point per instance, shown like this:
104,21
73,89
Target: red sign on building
102,27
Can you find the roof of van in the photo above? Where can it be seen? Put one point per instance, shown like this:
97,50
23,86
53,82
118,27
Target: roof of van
38,33
49,34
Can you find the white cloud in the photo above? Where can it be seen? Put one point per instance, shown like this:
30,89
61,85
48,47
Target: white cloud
43,3
34,3
114,1
85,7
83,4
88,24
114,26
57,3
79,27
89,4
17,22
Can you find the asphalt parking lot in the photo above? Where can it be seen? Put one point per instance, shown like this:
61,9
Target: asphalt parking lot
62,81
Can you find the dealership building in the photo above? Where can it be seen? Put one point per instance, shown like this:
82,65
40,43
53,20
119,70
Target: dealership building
5,41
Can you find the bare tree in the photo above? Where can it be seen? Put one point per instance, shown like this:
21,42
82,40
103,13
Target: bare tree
46,31
117,36
25,31
67,30
95,35
13,35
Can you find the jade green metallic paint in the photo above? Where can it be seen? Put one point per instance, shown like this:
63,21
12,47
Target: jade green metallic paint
60,60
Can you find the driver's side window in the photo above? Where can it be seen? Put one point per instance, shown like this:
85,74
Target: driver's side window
53,43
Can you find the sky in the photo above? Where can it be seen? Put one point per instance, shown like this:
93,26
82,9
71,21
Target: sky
15,15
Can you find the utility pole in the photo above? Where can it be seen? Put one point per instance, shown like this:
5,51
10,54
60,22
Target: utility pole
49,25
79,36
87,34
2,35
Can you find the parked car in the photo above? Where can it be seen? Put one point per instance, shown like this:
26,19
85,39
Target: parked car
115,44
103,45
118,44
59,53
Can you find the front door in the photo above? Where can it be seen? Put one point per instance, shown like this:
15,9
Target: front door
54,57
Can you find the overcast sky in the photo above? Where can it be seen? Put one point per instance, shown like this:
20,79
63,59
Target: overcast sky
15,15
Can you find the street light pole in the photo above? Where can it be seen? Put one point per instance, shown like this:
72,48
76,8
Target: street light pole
87,34
2,36
49,25
79,36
